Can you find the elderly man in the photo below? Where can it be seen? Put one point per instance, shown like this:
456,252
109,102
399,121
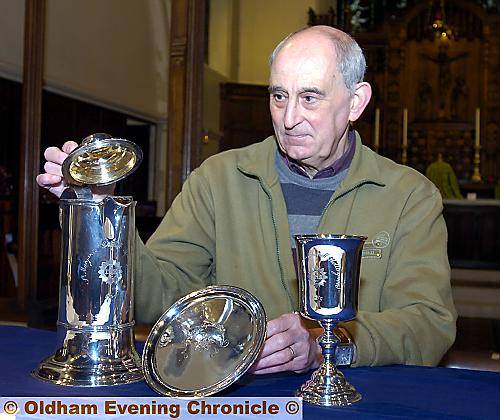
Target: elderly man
233,221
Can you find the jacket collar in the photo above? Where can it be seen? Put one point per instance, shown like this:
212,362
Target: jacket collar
259,161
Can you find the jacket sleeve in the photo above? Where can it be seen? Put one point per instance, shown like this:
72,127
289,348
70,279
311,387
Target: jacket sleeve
416,324
179,256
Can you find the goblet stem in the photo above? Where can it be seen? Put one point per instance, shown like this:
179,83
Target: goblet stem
327,385
328,341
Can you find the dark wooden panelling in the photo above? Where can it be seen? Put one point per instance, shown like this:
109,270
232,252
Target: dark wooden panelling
10,126
65,119
185,92
7,227
244,116
473,235
29,157
136,184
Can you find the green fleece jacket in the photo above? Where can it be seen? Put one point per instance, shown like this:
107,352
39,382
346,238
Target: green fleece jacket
229,226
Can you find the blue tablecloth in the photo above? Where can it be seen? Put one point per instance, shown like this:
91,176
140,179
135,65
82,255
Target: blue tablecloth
388,392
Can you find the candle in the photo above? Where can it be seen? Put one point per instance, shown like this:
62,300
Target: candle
478,126
376,141
405,127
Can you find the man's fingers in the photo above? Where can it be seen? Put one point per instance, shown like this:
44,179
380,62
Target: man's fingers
289,346
48,180
54,154
282,323
278,358
277,343
69,146
53,169
274,369
53,183
53,179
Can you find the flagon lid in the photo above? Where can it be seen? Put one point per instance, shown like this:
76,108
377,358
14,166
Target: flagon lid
204,342
101,160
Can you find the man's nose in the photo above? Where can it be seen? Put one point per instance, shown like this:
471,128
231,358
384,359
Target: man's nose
293,115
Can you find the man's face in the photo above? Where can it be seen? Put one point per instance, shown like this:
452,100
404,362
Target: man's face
309,102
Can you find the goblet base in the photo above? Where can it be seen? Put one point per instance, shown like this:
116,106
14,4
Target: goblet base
328,387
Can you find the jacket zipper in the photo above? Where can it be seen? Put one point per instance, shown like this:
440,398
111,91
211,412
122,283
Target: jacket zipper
334,198
282,277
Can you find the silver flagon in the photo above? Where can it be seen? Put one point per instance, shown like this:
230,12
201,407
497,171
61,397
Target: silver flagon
328,268
95,342
95,336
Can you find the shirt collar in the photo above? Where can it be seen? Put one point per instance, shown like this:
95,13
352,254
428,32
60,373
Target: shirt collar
338,166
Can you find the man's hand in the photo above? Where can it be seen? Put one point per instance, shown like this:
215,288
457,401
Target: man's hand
53,179
289,346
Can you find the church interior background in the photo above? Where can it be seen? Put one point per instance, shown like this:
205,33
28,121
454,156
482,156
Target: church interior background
433,65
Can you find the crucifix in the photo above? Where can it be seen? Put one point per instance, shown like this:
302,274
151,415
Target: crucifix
443,60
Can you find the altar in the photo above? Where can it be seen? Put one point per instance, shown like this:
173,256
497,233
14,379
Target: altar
473,233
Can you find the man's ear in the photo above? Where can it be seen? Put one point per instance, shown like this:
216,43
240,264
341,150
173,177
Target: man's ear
360,99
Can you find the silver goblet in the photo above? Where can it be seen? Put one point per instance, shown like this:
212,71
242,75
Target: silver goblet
328,267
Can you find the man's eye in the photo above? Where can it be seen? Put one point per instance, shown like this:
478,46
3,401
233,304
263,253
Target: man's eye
278,97
309,99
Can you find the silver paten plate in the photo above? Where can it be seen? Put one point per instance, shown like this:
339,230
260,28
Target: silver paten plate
101,160
205,342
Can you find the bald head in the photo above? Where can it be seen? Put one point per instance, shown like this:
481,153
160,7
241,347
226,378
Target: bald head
346,52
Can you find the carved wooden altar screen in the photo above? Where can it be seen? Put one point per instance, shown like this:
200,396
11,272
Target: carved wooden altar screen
441,80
